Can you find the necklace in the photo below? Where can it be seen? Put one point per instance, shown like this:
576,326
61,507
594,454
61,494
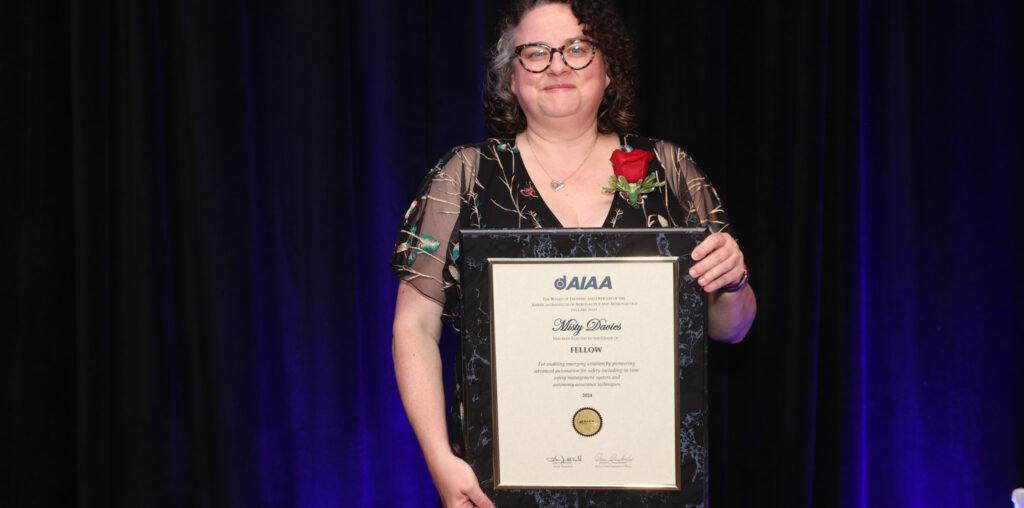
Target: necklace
557,185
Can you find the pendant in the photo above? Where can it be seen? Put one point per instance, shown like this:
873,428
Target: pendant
557,185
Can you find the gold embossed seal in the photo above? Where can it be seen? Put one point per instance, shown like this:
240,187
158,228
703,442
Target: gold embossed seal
587,421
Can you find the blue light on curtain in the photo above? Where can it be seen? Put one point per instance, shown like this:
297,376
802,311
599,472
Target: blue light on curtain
940,291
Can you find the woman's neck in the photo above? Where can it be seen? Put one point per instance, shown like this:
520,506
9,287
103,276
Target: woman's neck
561,141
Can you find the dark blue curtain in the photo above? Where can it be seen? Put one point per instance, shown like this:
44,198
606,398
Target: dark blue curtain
199,202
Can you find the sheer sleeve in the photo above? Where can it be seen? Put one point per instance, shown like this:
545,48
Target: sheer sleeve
697,197
426,250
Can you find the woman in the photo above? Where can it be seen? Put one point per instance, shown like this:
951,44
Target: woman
560,85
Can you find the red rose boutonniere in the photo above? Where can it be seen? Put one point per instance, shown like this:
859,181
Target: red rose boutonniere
630,175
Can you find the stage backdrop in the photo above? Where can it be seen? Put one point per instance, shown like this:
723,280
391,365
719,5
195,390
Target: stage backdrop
199,201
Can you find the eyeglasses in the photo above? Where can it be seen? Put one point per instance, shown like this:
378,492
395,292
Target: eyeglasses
536,57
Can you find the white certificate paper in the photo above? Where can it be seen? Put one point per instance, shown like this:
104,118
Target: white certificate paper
585,373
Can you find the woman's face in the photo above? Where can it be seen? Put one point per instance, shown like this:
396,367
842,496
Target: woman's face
559,92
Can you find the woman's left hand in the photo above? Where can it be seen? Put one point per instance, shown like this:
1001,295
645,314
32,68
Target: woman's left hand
719,262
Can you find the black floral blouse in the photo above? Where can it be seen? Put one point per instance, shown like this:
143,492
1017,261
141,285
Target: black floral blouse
485,185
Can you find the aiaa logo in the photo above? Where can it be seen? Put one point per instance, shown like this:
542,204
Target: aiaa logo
583,282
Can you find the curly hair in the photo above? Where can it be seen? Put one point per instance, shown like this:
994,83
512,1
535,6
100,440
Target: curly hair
600,22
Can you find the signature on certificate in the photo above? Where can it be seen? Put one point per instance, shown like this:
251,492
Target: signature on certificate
561,460
613,459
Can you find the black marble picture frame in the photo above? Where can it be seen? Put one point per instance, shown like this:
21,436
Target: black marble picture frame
477,246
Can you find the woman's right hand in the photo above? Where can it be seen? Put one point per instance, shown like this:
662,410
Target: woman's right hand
457,484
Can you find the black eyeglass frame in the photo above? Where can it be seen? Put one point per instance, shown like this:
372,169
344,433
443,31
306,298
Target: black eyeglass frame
551,54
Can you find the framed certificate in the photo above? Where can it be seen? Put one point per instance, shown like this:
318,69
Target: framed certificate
584,357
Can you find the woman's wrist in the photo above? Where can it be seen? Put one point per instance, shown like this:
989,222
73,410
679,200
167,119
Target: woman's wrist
438,455
738,285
